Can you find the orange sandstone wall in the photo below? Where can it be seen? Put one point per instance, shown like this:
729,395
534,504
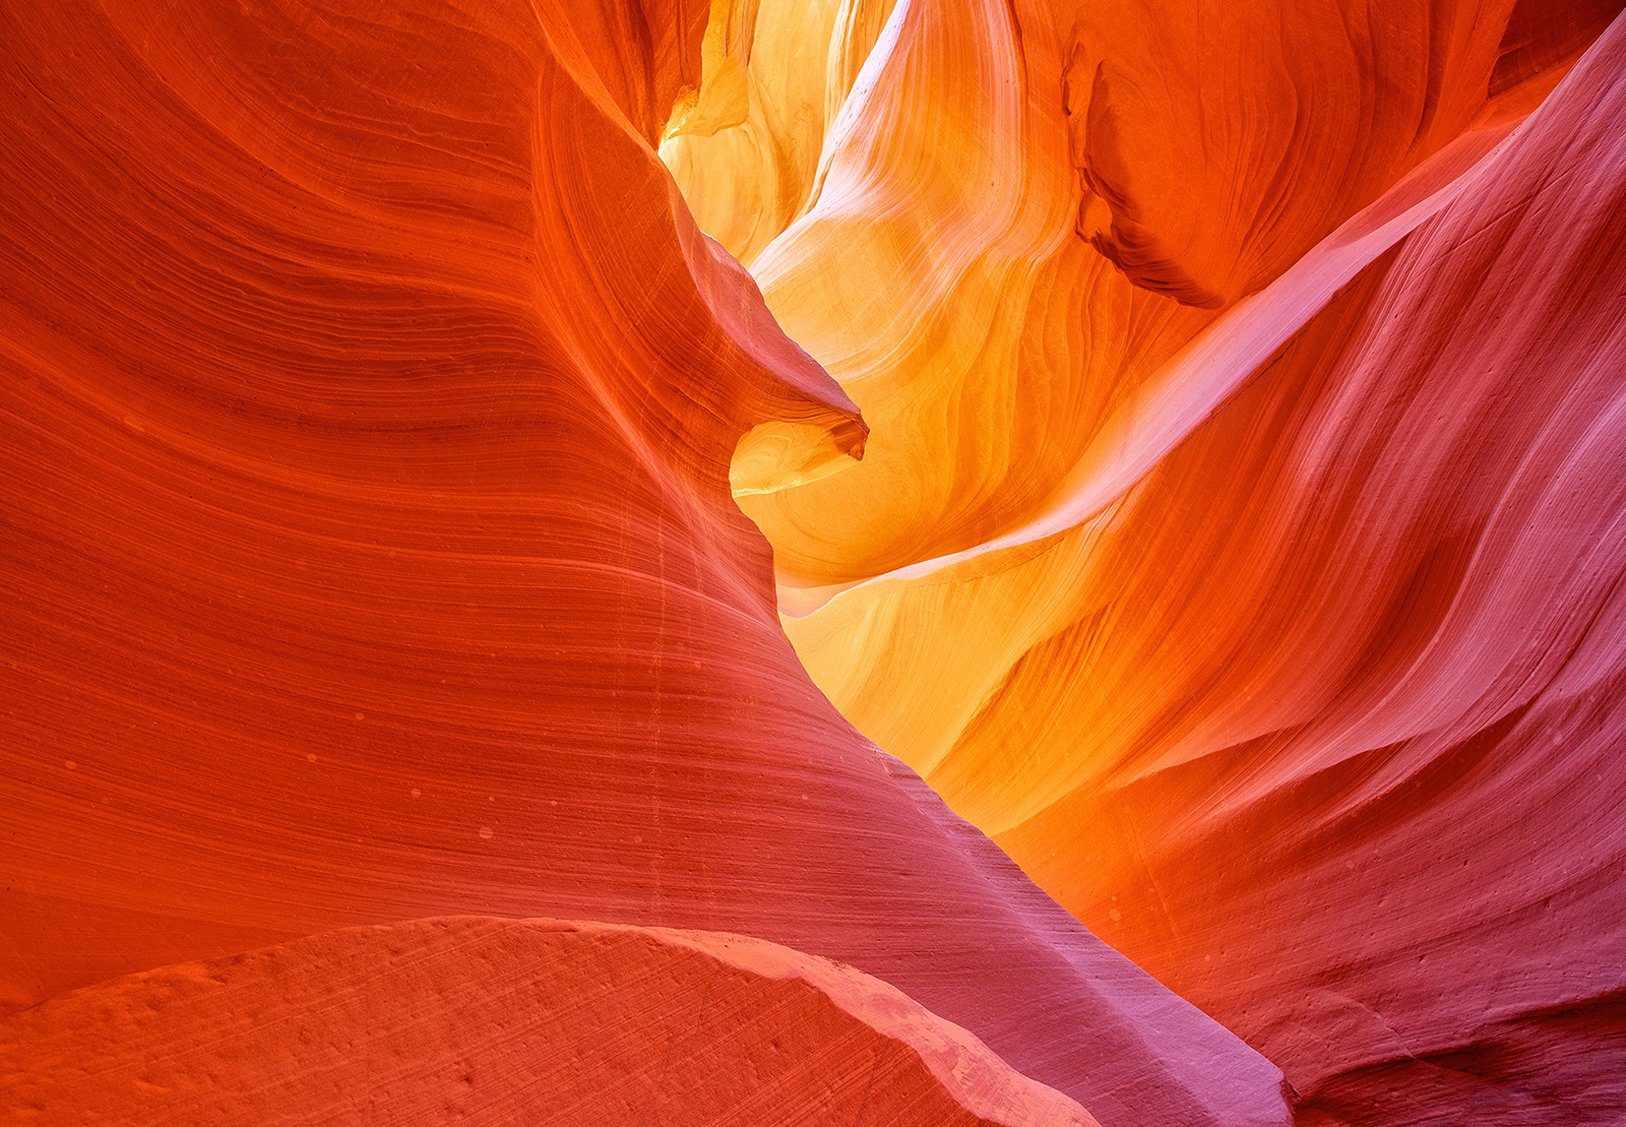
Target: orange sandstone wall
1216,502
367,401
1239,536
473,1018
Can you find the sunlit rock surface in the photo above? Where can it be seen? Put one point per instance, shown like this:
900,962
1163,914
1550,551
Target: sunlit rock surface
1240,535
366,420
1217,503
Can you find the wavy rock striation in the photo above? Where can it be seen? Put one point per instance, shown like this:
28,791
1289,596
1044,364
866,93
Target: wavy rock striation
1239,539
366,418
503,1021
394,479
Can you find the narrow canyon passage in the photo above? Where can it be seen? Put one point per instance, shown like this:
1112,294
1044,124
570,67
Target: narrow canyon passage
1238,535
370,559
1094,596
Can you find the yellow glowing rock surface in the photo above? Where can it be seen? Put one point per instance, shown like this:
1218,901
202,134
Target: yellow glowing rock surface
1215,357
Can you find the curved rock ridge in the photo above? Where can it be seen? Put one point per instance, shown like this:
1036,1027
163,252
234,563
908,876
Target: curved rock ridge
475,1019
366,420
745,142
1239,537
964,210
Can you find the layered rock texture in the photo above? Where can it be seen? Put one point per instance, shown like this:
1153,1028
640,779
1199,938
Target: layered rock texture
1182,443
1240,537
368,404
512,1021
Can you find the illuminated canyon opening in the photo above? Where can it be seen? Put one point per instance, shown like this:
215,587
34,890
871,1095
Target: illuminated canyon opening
449,627
1165,564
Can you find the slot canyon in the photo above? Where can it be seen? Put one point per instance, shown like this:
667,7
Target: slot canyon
754,562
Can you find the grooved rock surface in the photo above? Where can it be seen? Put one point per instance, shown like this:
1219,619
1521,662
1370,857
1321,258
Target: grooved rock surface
1240,535
367,405
471,1019
1182,438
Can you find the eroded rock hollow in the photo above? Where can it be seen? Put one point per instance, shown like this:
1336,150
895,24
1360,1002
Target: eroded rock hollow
807,561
